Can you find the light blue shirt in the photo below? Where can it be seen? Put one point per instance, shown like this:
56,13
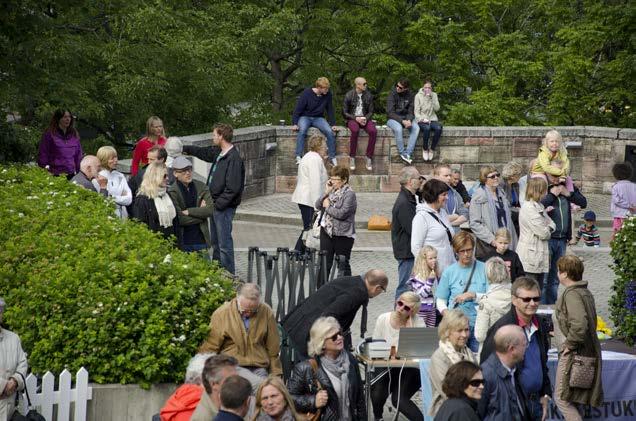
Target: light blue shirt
453,282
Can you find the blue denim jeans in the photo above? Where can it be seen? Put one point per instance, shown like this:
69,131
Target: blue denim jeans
472,343
426,129
405,267
535,408
397,128
304,123
221,235
201,249
551,284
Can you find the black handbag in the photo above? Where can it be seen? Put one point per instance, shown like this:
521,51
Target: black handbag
32,414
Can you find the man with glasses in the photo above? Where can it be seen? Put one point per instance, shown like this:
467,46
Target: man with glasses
401,223
457,211
246,329
399,109
533,370
340,298
357,111
309,112
194,206
503,397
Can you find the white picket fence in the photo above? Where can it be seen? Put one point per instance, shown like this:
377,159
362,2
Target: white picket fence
48,396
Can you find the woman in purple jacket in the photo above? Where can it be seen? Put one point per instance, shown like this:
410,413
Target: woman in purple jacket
60,148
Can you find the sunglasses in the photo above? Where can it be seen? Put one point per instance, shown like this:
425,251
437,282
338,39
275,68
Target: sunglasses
400,303
334,337
528,299
493,176
400,87
477,382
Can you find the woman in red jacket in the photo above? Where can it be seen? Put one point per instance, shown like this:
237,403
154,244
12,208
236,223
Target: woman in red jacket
154,136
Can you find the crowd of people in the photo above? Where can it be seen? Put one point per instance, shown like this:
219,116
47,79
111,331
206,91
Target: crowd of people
474,263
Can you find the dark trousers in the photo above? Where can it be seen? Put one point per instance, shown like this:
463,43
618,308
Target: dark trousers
550,288
307,213
355,127
411,383
537,277
336,245
426,129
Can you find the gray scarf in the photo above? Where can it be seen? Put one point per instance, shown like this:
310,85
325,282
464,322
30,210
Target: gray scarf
339,368
493,214
286,416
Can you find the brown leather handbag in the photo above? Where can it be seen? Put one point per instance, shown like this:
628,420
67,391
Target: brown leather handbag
582,372
314,416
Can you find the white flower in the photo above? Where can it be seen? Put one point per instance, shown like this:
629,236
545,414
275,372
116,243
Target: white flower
20,214
167,259
151,266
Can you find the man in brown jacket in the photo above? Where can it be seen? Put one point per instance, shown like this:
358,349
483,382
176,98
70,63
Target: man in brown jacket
245,328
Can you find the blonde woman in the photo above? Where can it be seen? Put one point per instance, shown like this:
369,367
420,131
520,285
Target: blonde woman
155,135
153,205
496,302
117,185
453,338
334,385
535,229
273,402
388,327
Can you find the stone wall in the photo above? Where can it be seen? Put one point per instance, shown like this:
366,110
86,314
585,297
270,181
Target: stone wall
592,153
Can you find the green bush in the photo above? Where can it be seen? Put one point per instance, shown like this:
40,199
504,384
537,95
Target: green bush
18,143
623,300
86,289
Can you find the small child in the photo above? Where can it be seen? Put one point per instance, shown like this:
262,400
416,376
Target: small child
623,195
553,150
510,258
588,231
424,281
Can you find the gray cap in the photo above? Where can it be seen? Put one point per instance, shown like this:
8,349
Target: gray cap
180,163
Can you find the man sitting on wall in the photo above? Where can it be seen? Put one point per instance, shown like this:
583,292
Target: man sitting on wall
245,328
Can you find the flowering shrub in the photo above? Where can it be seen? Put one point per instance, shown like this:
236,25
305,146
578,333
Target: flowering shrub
623,301
18,143
86,289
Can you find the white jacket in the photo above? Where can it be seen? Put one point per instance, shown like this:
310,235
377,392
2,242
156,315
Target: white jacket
494,304
118,189
13,360
311,180
535,228
426,231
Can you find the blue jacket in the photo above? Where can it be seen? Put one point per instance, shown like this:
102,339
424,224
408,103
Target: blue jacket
311,105
500,399
227,416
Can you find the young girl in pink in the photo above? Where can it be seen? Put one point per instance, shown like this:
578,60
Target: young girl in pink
423,282
623,196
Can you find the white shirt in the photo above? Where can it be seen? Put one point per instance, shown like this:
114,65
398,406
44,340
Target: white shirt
384,330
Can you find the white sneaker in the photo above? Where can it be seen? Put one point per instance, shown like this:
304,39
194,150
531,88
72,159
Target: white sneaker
369,164
334,162
298,160
431,154
352,163
406,158
425,155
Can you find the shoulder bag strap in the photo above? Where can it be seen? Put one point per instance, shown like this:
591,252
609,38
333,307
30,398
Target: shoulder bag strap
26,391
470,277
448,233
314,369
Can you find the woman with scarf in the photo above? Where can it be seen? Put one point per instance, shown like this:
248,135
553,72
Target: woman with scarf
153,205
453,338
387,327
273,402
329,381
337,220
117,185
490,210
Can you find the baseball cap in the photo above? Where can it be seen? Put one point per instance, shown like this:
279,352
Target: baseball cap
180,163
589,216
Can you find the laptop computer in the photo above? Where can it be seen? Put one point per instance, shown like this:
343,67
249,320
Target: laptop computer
417,342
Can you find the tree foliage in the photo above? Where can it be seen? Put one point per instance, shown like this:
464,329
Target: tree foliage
195,62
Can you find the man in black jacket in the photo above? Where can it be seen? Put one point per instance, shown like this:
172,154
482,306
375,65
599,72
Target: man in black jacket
226,181
399,110
533,370
340,298
558,205
357,111
401,222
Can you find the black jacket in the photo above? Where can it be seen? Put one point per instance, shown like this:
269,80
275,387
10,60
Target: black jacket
228,179
461,189
500,401
350,102
303,389
515,268
458,409
144,210
401,222
510,318
340,298
399,106
551,200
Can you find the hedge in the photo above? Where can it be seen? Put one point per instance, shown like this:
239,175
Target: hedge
623,300
86,289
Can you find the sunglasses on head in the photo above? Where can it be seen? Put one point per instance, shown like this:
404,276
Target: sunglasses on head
528,299
334,337
493,176
477,382
400,303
